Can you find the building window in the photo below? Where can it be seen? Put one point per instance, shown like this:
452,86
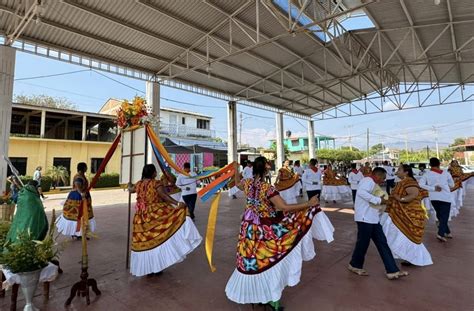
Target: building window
19,164
183,120
295,143
305,142
202,124
95,164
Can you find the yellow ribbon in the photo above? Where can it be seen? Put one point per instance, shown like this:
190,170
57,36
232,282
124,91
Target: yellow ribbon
211,229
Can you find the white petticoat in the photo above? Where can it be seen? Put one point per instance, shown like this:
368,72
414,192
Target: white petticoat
290,195
268,285
402,247
456,203
48,274
336,193
68,227
174,250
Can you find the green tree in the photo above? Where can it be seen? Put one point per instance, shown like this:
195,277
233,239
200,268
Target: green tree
273,147
458,142
349,148
45,101
339,155
376,148
58,174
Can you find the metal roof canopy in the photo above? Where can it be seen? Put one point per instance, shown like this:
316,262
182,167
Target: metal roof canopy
258,54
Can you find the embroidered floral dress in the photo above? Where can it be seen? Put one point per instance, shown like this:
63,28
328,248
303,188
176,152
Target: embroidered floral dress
268,235
272,245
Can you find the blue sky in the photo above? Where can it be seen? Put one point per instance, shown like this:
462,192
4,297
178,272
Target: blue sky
89,90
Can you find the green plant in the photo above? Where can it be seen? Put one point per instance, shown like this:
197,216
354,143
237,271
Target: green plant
46,182
58,174
26,254
108,180
4,227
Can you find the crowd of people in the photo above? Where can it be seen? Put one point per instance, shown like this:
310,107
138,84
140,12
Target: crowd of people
391,207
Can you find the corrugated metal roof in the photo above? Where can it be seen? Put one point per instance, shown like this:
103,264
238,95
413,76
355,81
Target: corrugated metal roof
296,72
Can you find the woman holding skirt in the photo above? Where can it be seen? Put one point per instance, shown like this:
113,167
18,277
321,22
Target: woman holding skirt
275,238
162,233
405,225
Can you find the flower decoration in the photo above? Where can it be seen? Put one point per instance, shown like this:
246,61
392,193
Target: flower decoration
133,113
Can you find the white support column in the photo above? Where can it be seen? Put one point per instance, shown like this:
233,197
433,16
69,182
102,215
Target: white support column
43,123
232,132
153,102
84,128
279,141
7,71
311,146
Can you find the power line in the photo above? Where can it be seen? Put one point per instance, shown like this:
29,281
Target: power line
52,75
119,82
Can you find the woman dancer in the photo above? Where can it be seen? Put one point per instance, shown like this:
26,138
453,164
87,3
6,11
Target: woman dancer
274,239
162,234
334,188
405,225
72,208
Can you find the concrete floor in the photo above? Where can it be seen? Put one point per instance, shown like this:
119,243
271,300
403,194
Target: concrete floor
325,283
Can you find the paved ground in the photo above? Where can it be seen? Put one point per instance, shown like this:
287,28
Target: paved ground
325,283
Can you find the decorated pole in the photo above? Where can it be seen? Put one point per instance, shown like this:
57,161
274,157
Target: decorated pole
127,260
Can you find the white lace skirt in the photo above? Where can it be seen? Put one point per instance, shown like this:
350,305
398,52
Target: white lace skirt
174,250
430,210
291,194
336,193
268,285
68,227
456,203
402,247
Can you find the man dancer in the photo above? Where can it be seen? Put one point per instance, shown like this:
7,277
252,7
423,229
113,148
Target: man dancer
248,170
299,170
37,176
438,182
367,218
188,188
312,179
354,178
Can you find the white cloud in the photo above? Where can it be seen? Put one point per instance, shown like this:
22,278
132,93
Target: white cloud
257,137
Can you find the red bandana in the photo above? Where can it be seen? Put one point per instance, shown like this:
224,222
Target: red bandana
355,171
436,170
314,169
374,179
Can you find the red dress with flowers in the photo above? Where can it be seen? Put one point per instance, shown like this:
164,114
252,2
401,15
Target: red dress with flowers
267,235
273,245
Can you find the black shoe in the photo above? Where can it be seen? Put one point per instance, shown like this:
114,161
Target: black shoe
234,197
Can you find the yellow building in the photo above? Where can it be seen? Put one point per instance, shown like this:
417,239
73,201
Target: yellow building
42,136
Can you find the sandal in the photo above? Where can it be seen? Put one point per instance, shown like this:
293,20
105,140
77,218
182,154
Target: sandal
360,272
396,275
448,236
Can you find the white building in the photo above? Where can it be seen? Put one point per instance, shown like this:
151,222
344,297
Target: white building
174,122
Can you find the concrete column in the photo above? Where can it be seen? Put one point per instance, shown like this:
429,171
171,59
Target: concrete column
27,126
66,125
279,140
311,146
152,90
84,128
7,71
232,132
43,123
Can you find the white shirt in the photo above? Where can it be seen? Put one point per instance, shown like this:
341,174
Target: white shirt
37,176
187,184
298,170
248,172
354,179
390,174
364,196
431,179
311,180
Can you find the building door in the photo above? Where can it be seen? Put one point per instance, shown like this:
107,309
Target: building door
66,162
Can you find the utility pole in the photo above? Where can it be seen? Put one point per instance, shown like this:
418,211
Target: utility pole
240,132
406,146
349,127
436,140
368,148
427,152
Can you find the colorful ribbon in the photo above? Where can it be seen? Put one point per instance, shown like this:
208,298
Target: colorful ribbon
211,229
